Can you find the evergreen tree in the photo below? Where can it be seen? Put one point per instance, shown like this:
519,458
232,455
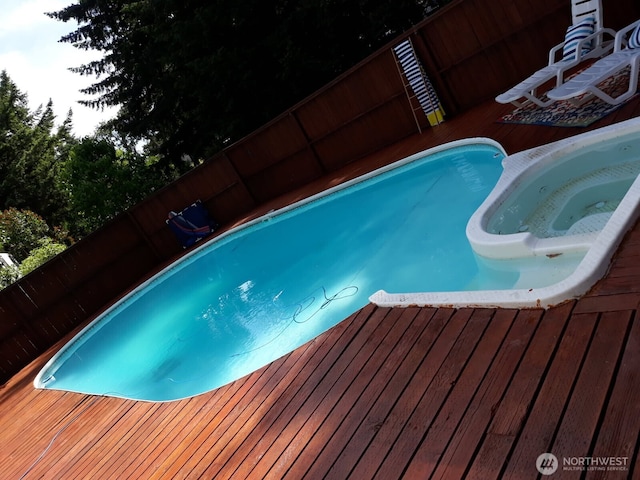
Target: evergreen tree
15,122
31,153
190,75
73,185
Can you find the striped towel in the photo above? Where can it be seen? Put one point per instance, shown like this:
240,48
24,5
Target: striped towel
419,82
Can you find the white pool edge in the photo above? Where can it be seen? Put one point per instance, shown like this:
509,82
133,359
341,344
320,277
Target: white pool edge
591,269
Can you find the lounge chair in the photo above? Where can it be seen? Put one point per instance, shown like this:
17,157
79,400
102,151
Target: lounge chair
191,224
626,54
585,39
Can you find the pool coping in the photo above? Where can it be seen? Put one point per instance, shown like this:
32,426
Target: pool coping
591,269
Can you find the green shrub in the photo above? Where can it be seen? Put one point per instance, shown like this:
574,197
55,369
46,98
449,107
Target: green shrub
40,255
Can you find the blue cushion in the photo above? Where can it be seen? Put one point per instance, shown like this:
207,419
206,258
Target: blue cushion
634,38
575,33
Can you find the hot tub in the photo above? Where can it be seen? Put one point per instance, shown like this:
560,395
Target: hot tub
558,211
557,201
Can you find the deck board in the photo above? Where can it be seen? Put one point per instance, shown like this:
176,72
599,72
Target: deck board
416,392
549,406
340,419
340,465
426,458
466,440
621,425
434,398
589,396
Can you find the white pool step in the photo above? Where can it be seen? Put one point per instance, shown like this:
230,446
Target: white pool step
540,221
590,224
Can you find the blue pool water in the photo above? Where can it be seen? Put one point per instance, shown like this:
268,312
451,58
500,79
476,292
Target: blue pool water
244,300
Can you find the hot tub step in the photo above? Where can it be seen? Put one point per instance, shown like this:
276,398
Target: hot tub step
590,224
568,210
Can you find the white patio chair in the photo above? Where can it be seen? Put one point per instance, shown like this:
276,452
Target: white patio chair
626,53
585,39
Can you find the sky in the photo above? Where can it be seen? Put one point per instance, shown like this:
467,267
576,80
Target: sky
38,63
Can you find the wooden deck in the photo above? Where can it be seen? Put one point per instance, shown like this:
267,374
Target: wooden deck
387,393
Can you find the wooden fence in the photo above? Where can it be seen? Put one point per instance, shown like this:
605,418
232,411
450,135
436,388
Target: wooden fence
471,49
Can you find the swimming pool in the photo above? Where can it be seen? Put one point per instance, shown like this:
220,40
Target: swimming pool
257,292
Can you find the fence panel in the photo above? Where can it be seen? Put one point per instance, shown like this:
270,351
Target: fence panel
353,95
286,175
367,134
266,147
481,48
